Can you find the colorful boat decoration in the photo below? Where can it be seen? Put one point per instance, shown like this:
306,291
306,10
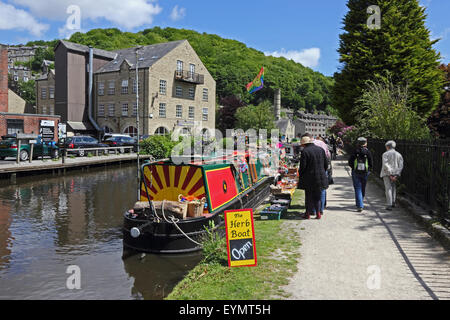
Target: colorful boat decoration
151,227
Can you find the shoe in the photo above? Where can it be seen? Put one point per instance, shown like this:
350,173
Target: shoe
360,209
319,216
307,216
389,208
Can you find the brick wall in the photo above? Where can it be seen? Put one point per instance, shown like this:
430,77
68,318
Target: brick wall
31,123
3,79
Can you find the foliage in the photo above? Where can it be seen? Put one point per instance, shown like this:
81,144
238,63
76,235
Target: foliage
226,115
439,121
402,46
25,89
40,55
384,112
256,117
214,246
159,147
231,63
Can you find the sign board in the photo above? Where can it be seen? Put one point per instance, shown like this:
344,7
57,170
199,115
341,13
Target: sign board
240,230
62,131
47,130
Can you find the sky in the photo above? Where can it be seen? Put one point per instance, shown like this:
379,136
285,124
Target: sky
302,30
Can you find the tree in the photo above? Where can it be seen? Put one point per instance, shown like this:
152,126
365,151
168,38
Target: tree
439,121
226,118
256,117
402,46
384,112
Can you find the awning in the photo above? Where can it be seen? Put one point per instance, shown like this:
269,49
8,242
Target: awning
80,126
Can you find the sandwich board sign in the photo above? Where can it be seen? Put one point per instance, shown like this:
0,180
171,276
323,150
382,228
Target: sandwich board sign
240,231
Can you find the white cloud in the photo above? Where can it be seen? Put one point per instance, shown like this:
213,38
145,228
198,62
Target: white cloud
128,14
177,13
307,57
12,18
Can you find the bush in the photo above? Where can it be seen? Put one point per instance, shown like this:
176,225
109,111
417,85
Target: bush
160,147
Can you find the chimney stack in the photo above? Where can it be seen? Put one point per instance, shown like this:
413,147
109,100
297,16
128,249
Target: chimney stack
277,104
3,78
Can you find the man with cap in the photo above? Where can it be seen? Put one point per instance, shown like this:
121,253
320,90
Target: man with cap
361,162
390,172
313,179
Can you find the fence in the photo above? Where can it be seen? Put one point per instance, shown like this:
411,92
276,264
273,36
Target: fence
426,172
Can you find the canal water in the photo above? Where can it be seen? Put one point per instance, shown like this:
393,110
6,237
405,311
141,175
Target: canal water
49,223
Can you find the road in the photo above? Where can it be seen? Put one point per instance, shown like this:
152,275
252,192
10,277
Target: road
373,255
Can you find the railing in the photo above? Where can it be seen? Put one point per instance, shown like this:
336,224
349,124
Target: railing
426,172
188,76
99,151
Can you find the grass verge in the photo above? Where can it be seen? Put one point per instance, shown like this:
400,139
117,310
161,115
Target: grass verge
277,252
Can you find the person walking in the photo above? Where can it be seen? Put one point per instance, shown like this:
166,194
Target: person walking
361,162
313,179
390,172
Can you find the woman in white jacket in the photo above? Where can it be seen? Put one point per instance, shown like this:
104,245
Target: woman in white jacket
390,172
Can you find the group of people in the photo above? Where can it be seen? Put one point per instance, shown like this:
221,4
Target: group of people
316,172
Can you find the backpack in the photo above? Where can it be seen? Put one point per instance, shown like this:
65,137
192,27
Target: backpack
361,164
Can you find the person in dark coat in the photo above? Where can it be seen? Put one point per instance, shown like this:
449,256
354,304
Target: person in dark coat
313,178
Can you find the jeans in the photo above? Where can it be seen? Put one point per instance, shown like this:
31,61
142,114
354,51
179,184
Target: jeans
391,191
359,183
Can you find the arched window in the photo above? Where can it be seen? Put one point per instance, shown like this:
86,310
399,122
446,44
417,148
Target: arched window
161,131
131,131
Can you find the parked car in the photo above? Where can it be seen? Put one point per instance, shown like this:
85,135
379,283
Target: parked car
82,142
120,141
9,145
112,135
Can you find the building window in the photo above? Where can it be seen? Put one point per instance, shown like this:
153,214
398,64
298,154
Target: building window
205,94
162,87
134,86
179,66
101,88
111,110
52,110
191,70
161,131
43,93
134,109
112,87
205,114
162,110
191,113
124,86
44,109
101,110
179,91
14,126
179,112
51,92
131,131
125,110
192,93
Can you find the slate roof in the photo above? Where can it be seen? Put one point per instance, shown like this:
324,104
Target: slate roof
150,55
85,49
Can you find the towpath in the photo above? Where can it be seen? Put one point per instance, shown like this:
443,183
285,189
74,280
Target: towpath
370,255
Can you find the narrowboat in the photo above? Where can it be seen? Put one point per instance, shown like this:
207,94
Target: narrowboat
231,184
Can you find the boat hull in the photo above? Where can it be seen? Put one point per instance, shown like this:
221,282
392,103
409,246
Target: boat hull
165,238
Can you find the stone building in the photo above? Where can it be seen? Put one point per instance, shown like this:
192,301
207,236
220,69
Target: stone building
176,91
45,93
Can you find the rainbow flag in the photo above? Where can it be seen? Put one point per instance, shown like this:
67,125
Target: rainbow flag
258,83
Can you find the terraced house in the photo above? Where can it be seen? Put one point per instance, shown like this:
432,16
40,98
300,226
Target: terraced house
176,91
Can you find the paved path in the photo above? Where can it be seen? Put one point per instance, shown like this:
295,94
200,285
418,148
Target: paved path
371,255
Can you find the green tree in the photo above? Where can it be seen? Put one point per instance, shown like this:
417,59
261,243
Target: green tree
384,112
256,117
402,46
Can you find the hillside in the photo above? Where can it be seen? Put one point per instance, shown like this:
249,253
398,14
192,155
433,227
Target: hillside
231,63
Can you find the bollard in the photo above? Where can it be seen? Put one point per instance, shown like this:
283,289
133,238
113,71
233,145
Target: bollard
18,151
31,153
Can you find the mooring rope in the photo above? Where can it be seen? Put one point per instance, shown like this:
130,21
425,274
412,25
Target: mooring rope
175,223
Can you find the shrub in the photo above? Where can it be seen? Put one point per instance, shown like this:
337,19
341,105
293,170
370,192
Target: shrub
159,147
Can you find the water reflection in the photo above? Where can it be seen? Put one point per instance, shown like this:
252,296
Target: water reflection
50,223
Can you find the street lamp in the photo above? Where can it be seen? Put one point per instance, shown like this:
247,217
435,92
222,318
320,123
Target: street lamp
137,123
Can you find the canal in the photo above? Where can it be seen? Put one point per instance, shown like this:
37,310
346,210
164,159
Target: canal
48,223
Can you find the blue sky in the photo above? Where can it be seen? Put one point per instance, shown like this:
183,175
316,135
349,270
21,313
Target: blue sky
303,30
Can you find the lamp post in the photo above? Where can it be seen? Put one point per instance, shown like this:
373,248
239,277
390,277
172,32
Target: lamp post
138,125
